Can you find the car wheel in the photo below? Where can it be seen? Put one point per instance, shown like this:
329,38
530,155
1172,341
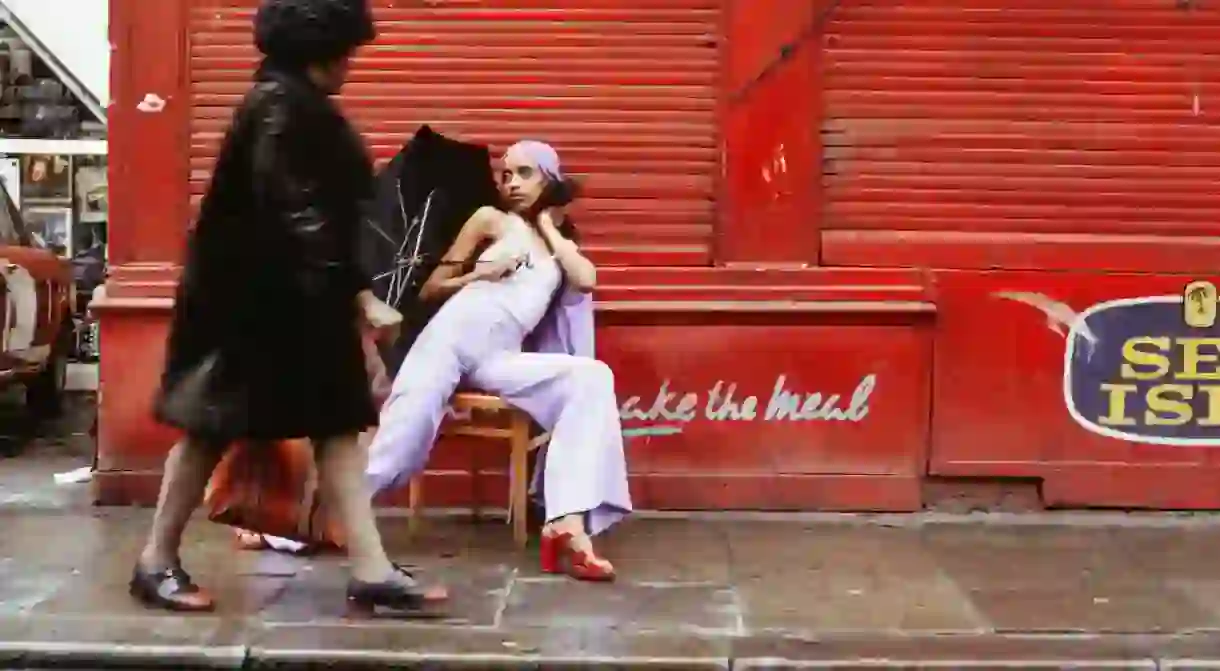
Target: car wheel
45,394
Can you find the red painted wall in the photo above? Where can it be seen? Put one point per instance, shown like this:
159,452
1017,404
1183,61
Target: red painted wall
999,395
148,176
964,381
1033,134
770,210
627,89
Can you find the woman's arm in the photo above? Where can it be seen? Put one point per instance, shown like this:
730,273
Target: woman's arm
448,278
579,271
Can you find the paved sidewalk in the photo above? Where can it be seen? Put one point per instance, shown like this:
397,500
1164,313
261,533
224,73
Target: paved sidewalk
1096,591
750,594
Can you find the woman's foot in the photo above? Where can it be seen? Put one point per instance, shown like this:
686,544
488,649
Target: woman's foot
252,541
567,548
400,592
169,589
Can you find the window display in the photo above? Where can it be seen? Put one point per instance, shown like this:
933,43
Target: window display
53,168
92,195
46,178
92,204
10,176
89,245
52,226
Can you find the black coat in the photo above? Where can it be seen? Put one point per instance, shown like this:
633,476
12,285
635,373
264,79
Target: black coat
265,342
445,179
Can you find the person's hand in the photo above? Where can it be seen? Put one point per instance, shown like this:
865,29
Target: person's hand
384,321
549,218
500,268
388,334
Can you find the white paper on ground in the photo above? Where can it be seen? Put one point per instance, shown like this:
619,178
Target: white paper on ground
283,544
82,474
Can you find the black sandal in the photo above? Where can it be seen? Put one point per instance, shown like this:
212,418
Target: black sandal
171,589
363,598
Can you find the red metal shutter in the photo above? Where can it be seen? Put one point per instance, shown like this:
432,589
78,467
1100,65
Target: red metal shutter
625,90
955,129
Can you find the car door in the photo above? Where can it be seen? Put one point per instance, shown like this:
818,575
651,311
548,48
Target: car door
32,277
6,362
9,241
27,302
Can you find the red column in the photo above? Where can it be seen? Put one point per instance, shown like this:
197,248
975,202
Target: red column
148,118
771,200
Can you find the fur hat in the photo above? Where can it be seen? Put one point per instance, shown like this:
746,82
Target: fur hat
298,33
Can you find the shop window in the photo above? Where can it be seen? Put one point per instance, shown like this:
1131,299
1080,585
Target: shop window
11,230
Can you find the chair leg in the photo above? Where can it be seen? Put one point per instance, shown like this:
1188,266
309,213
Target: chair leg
415,493
476,485
518,480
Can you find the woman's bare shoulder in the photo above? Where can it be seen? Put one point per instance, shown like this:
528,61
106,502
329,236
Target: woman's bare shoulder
489,221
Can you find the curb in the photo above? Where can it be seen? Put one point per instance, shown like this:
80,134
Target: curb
990,652
152,658
101,656
360,660
98,657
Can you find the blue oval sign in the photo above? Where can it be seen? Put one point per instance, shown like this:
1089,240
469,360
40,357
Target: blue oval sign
1147,369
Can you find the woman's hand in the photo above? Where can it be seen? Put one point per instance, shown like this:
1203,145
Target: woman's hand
445,280
499,269
384,321
548,218
579,271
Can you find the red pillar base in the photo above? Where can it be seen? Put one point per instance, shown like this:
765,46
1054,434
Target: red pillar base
133,318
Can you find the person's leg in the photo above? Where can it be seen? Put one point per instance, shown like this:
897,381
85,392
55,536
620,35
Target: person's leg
411,416
585,475
158,579
188,467
341,465
375,580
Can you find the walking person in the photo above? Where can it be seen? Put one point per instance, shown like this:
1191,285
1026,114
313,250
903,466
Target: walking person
265,343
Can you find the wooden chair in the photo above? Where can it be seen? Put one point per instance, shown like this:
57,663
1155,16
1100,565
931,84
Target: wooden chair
484,416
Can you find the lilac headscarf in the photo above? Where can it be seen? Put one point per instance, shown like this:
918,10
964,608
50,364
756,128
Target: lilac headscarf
540,154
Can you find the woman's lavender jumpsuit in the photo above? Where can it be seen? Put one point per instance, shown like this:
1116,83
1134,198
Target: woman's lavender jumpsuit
478,336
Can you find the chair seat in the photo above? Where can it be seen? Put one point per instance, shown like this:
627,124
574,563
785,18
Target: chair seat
470,400
473,400
467,406
482,416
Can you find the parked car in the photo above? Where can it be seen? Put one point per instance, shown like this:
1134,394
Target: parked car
37,300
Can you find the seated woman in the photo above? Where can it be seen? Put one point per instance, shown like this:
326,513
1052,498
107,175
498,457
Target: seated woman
528,270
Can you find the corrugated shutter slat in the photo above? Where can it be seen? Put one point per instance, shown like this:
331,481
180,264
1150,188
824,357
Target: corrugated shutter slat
1037,116
625,89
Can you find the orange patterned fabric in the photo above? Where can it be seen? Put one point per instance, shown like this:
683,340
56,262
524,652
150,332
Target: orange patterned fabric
272,489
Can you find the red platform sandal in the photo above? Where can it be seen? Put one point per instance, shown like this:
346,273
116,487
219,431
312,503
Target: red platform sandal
558,554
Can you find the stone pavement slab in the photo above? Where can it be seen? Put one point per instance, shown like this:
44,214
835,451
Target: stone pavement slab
741,594
31,453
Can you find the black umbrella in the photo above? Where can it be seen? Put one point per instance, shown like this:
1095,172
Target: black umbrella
424,195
